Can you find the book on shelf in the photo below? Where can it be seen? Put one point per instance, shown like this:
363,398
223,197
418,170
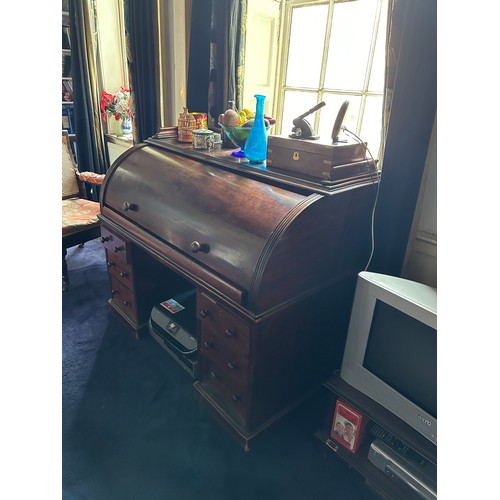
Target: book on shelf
66,40
68,118
66,65
67,91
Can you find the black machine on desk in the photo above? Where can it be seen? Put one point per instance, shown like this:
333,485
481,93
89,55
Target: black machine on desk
302,129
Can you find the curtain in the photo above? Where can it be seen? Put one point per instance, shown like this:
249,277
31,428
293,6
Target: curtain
86,95
216,56
141,35
409,111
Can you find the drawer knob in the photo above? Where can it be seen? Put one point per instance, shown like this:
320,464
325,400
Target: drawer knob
204,313
111,264
236,397
232,366
196,247
129,206
125,303
208,344
123,274
114,292
105,238
117,249
229,332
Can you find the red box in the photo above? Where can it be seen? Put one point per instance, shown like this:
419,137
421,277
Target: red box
348,426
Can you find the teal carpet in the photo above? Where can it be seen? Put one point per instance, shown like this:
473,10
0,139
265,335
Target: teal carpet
133,430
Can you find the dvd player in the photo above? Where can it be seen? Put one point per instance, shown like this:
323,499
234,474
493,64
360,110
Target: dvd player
421,479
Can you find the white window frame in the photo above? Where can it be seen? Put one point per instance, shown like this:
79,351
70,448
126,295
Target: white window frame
281,87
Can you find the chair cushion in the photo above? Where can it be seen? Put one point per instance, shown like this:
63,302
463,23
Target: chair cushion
79,214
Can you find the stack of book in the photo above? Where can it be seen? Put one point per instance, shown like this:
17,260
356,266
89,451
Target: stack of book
166,133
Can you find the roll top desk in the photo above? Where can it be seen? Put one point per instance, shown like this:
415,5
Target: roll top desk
273,259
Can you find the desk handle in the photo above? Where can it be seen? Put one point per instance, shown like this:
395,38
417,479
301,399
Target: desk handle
129,206
196,247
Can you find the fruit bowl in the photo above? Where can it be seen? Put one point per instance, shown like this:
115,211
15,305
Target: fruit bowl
239,134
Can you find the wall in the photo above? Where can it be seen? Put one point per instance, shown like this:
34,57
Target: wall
421,257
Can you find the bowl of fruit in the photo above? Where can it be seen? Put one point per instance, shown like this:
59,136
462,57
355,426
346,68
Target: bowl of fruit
237,125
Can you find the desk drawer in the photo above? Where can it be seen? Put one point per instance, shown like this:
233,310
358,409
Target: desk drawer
231,395
121,270
115,246
123,297
229,362
216,322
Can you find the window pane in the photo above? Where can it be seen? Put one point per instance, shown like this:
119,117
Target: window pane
297,103
305,52
378,68
330,111
372,124
352,27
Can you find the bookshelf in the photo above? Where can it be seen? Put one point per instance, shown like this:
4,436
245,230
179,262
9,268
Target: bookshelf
68,106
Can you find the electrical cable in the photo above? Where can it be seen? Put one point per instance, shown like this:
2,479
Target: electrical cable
379,177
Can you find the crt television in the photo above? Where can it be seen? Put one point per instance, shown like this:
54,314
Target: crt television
391,348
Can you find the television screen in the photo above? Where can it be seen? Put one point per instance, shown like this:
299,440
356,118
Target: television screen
401,351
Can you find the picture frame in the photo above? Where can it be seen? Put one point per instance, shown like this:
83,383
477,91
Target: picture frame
347,426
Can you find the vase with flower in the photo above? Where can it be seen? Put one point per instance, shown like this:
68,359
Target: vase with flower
118,106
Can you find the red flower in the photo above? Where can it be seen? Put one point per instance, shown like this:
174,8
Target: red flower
106,100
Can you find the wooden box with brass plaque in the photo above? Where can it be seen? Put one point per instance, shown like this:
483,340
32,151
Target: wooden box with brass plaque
316,159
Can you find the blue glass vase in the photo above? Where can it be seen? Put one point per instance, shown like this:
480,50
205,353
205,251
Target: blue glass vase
256,144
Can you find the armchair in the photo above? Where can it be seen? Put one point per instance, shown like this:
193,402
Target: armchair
80,221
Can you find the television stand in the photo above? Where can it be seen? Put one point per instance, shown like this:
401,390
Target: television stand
380,422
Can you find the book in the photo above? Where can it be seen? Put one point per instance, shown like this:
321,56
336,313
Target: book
348,426
166,132
66,65
67,91
66,41
68,118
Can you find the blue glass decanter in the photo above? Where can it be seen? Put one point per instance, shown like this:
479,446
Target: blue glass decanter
256,144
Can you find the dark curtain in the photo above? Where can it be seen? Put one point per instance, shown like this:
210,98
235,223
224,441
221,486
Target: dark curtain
410,109
89,135
216,56
141,33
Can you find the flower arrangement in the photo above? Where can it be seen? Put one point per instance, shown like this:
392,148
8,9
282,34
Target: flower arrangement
117,105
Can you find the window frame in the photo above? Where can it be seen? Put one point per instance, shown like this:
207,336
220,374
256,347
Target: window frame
283,54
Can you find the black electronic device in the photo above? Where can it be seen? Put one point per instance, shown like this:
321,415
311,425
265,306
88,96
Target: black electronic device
173,325
398,462
302,128
339,121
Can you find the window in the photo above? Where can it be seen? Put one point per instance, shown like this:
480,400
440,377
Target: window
333,51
